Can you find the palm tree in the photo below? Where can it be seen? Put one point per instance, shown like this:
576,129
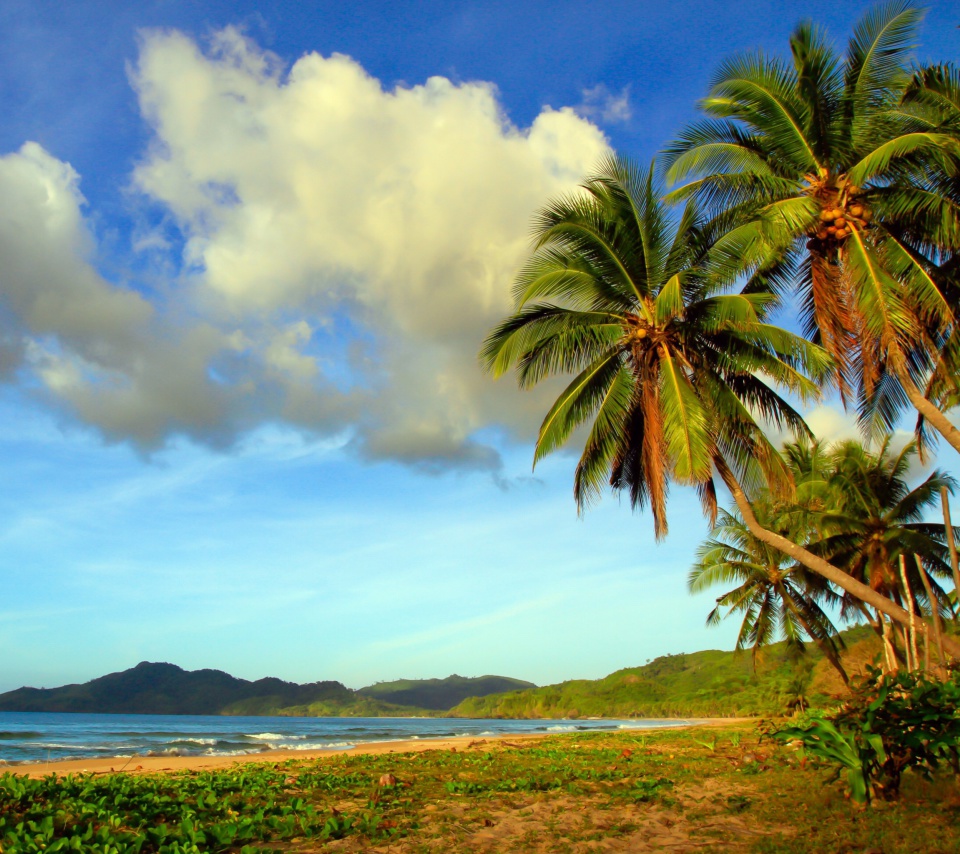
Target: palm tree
874,518
822,161
926,195
777,597
671,368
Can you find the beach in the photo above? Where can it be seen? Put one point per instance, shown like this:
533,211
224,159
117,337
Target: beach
159,764
713,785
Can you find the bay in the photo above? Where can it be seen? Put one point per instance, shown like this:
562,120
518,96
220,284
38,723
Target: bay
45,736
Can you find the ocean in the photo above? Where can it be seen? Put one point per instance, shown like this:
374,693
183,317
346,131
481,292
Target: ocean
43,736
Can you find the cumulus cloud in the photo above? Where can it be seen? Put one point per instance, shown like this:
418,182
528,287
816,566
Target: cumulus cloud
345,249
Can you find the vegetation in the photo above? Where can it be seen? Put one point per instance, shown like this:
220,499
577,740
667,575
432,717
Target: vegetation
776,596
893,723
672,370
832,178
700,684
845,167
854,507
717,789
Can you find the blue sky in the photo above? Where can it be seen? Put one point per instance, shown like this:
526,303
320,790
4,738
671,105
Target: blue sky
249,252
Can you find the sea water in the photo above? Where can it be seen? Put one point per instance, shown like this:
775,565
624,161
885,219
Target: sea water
44,736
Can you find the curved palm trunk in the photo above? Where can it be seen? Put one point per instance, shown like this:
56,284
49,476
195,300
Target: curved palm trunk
931,412
818,565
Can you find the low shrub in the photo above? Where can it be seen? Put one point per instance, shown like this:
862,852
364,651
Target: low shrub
893,722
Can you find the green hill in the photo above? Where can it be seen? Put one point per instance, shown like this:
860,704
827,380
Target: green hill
442,694
700,684
165,689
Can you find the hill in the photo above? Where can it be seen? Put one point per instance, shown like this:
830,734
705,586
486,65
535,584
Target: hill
165,689
442,694
700,684
711,683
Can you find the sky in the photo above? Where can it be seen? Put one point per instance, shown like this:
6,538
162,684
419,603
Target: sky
248,253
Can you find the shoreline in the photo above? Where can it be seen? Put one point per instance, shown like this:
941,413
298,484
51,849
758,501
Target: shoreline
169,764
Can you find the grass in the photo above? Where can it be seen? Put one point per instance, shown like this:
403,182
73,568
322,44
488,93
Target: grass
722,790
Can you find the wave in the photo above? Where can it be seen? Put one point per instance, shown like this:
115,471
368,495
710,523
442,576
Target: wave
273,736
559,728
14,735
313,745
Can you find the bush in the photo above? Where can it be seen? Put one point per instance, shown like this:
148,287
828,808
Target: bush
893,722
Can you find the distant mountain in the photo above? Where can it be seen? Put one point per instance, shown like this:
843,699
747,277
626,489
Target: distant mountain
442,694
165,689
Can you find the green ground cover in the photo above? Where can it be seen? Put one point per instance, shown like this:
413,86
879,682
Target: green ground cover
705,789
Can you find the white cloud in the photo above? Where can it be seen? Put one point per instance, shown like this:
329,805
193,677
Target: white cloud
602,104
346,249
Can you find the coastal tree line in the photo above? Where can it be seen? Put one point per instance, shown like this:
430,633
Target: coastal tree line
824,181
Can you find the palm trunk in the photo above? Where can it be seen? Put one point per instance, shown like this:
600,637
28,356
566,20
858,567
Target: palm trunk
817,564
934,608
912,629
930,411
882,628
951,544
889,645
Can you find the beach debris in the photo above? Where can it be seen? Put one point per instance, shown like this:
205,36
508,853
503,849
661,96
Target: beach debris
626,753
387,780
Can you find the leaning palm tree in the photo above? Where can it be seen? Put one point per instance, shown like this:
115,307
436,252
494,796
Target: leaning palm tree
820,161
672,368
778,598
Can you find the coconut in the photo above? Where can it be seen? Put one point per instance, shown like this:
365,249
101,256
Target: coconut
867,215
840,222
856,210
826,216
837,213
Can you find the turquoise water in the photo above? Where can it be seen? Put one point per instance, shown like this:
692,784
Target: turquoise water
41,736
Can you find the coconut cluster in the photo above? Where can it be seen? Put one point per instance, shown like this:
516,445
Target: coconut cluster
837,223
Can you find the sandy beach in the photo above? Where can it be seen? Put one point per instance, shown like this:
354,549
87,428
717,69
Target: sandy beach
154,764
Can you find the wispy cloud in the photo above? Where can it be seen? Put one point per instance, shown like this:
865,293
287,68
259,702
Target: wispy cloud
600,104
